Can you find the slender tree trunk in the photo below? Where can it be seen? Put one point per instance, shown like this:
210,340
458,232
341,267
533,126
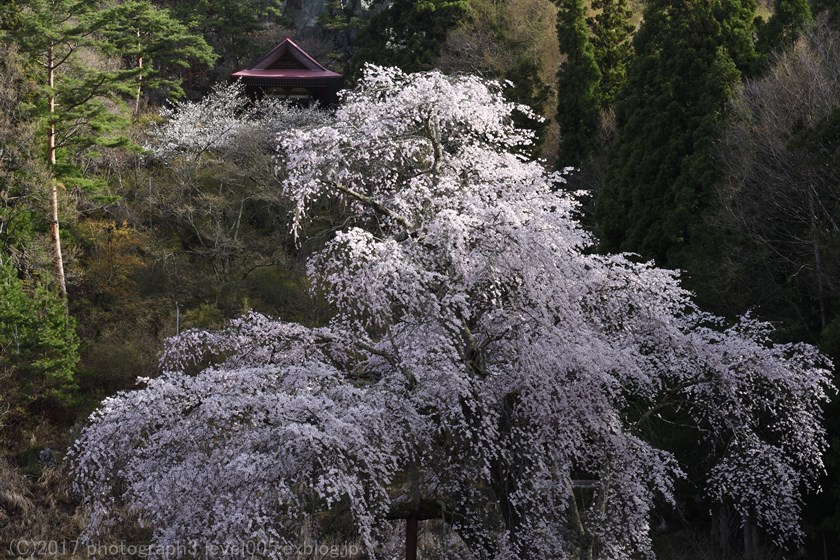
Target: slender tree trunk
818,268
139,76
723,528
58,260
139,85
584,550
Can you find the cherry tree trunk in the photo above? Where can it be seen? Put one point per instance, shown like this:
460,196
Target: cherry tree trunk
411,538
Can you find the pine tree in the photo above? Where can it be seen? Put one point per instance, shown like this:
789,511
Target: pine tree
76,98
661,172
39,348
230,27
577,85
70,45
611,33
154,40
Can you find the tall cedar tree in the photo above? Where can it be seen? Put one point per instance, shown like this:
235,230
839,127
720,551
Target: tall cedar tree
737,21
661,175
577,85
611,34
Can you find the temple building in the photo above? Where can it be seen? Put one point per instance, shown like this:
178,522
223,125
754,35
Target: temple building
287,72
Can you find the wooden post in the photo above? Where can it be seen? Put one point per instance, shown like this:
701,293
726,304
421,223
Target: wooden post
723,529
750,541
411,538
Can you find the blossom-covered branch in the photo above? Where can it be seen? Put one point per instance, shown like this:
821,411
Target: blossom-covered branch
480,358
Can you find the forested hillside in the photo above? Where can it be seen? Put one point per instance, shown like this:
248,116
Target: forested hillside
431,225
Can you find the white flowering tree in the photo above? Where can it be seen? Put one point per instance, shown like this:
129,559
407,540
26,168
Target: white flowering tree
222,120
483,367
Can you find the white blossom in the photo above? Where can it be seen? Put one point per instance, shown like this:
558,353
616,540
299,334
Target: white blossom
481,357
222,118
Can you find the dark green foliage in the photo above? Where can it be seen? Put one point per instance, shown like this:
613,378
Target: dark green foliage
19,169
577,84
340,16
611,33
156,44
737,22
230,27
661,175
39,349
78,100
52,35
342,21
789,19
408,34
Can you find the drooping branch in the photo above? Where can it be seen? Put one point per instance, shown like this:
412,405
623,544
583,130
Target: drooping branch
376,206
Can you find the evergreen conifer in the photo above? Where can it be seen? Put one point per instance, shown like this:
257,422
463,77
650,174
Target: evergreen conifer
577,85
661,174
611,33
408,34
789,20
39,348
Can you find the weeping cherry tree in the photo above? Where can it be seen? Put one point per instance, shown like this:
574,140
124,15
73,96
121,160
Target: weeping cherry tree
483,367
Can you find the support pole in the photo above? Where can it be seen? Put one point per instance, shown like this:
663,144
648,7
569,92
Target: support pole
411,538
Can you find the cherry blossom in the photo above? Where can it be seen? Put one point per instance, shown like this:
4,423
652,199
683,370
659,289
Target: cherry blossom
483,365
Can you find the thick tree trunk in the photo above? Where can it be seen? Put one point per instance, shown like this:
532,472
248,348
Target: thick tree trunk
55,234
750,541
